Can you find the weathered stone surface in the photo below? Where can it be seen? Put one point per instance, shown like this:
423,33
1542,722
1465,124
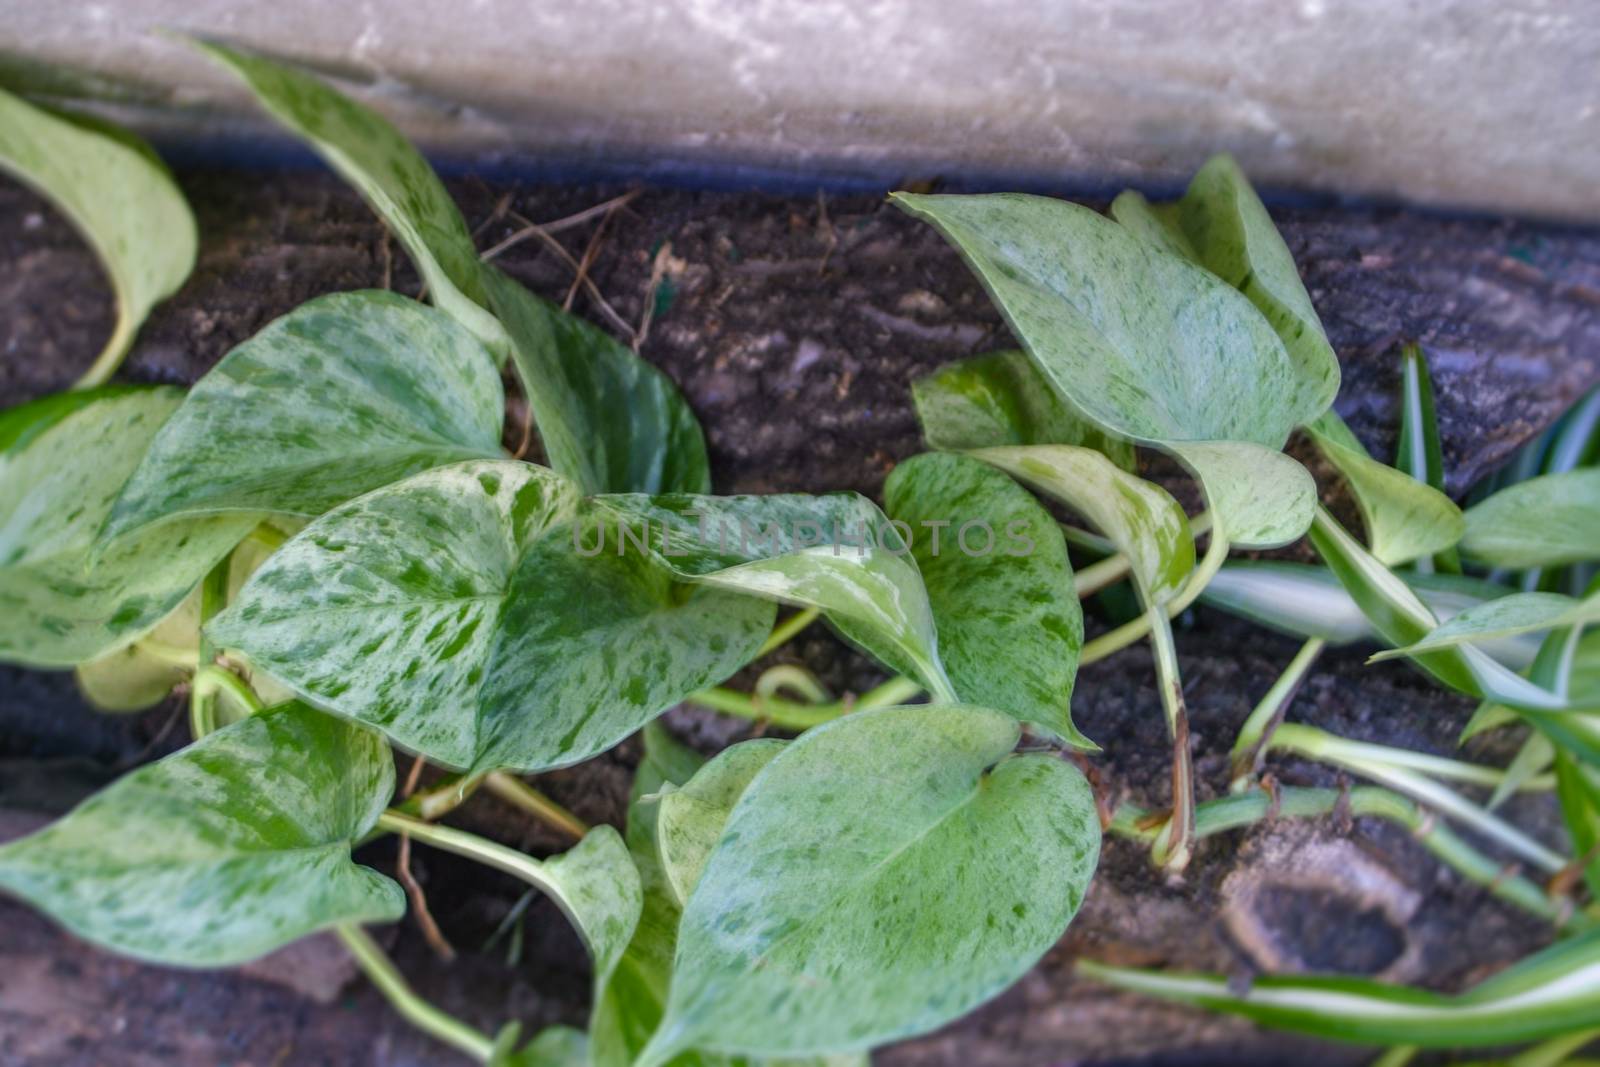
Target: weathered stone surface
795,326
1483,103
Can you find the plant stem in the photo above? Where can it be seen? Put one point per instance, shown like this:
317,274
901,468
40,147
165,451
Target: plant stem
788,715
1172,845
1129,632
183,658
1400,770
472,846
424,1016
1265,717
515,791
1114,568
268,536
788,629
213,598
1257,805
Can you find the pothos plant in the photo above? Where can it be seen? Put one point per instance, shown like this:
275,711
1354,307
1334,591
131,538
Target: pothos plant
326,543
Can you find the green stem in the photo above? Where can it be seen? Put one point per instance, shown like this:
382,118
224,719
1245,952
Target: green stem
1172,845
1267,714
793,678
1401,771
471,846
515,791
788,715
105,364
424,1016
1130,632
1097,576
268,536
1258,805
786,630
442,799
183,658
213,598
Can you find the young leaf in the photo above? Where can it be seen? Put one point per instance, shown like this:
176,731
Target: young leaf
390,175
1418,451
597,887
1158,225
1541,522
1001,399
1304,600
1010,628
1140,518
1519,613
344,394
59,605
222,852
930,872
1146,345
120,197
1405,519
690,819
1550,993
609,421
836,552
454,612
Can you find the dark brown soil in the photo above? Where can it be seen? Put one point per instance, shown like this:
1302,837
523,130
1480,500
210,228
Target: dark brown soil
794,326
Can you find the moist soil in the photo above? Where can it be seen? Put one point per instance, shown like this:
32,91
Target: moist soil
794,325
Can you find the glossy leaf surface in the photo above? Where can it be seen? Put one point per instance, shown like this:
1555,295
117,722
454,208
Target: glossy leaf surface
1541,522
1010,628
930,873
691,818
118,194
344,394
59,604
233,847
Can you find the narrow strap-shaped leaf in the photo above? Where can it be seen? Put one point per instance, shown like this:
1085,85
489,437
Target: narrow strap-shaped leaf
930,873
609,421
1002,399
1009,624
233,847
387,171
835,552
1140,518
119,196
1541,522
61,603
344,394
1519,613
1551,993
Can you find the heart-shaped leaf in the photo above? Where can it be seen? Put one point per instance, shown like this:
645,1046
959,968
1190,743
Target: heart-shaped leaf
220,853
119,196
344,394
1010,628
1001,399
1541,522
1140,518
837,553
66,462
454,612
690,819
389,174
1147,345
1519,613
931,871
609,421
1405,519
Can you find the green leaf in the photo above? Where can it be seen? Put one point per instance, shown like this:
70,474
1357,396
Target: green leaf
609,421
391,175
554,1046
1418,451
1304,600
1541,522
1001,399
1578,789
1157,225
1145,344
690,819
1140,518
836,552
1010,628
931,871
1552,992
344,394
59,604
597,887
454,612
1519,613
1405,519
1261,497
233,847
120,197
